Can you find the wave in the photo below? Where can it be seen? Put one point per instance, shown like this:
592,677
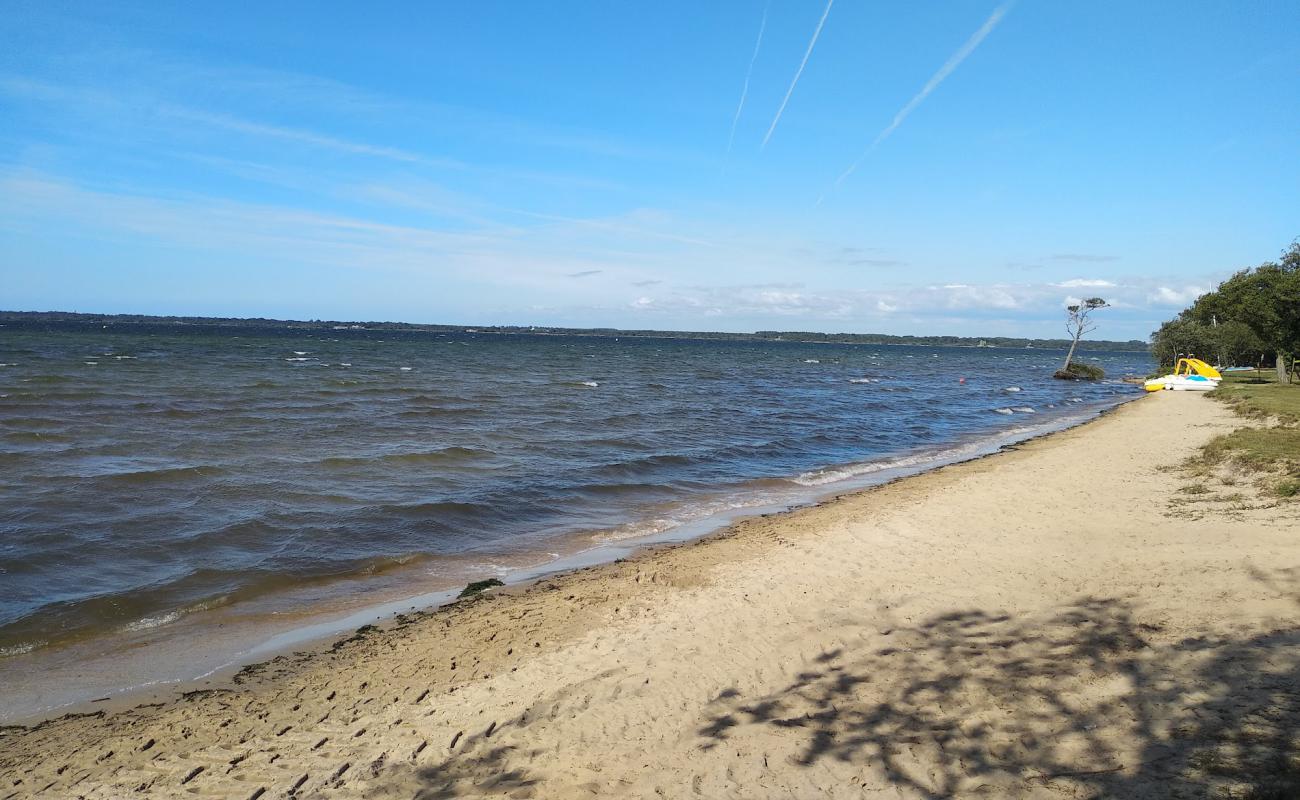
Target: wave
22,648
34,437
446,411
150,475
640,466
446,455
958,452
170,616
613,490
158,605
821,477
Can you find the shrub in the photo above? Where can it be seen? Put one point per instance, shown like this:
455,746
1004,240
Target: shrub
1080,372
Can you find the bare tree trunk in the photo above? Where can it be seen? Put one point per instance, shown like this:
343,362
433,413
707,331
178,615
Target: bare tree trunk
1070,355
1283,374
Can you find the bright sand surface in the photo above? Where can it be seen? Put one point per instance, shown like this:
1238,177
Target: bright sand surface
1057,620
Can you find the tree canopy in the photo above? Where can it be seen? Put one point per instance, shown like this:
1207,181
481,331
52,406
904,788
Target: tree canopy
1251,318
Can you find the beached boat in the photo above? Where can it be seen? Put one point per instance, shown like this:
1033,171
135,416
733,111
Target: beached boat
1190,375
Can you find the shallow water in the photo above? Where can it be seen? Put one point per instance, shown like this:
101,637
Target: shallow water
152,476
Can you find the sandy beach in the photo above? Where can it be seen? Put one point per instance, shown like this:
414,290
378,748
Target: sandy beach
1057,620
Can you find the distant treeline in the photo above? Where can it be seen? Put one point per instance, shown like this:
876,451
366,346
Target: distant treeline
53,320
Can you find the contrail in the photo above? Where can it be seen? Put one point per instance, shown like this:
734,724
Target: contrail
951,64
811,44
748,74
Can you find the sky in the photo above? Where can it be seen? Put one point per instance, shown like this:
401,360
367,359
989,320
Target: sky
962,167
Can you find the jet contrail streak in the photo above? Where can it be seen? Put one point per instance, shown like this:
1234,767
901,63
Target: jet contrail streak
762,26
811,44
951,64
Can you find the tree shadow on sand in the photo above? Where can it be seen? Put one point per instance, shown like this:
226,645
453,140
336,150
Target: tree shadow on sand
1088,700
489,773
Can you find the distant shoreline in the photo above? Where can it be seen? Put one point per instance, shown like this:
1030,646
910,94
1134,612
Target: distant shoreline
54,320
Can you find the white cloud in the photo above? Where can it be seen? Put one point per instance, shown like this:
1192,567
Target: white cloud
527,262
1084,283
1164,295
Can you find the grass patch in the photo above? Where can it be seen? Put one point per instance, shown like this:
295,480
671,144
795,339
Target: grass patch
1274,449
1256,448
1269,399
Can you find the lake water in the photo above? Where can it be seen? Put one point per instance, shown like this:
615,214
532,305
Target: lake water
154,476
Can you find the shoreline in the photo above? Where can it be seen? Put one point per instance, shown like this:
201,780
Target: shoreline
1016,622
120,681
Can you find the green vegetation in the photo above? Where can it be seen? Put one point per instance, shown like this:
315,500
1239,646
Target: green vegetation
1273,452
1257,448
478,586
1075,371
1252,318
1261,399
57,320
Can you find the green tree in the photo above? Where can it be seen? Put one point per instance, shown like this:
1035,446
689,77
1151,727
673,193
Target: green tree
1267,300
1226,343
1252,315
1181,336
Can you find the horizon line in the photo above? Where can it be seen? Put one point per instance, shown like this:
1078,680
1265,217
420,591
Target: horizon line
529,328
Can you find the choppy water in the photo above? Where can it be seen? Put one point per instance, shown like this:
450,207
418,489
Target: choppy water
146,476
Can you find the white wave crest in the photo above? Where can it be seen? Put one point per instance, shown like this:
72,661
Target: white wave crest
21,648
153,622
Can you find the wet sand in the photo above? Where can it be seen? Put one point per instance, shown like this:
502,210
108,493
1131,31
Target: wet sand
1058,620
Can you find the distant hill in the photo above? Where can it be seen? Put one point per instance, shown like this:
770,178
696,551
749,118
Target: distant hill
54,320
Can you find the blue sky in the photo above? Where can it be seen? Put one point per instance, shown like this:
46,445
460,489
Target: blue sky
576,163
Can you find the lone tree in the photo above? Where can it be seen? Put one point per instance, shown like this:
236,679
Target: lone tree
1077,324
